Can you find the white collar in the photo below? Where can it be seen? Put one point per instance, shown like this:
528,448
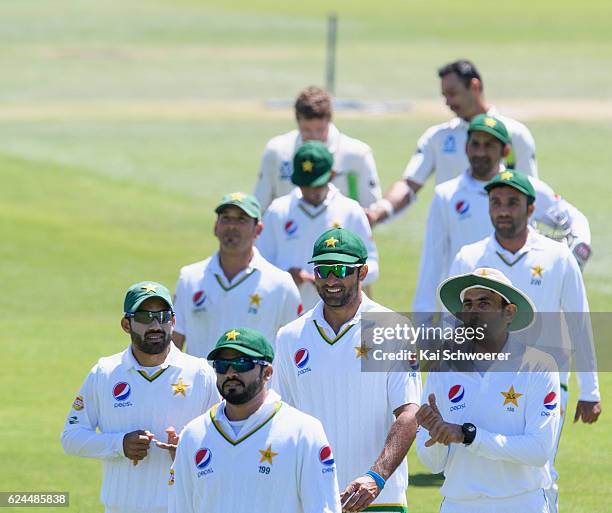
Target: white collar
130,361
254,264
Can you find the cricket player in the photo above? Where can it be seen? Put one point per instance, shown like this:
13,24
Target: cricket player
234,287
293,222
252,452
547,272
441,149
459,212
368,416
132,399
354,166
491,431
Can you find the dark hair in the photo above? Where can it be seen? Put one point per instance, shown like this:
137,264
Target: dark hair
464,69
313,103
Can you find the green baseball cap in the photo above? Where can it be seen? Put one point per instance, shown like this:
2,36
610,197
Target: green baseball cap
312,165
339,245
516,180
491,125
246,340
247,203
452,290
142,291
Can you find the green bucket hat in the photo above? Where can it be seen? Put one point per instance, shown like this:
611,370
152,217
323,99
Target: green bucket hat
247,203
142,291
246,340
451,291
312,165
491,125
516,180
339,245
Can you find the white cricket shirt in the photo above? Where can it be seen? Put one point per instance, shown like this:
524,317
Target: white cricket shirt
291,227
459,215
547,272
279,462
356,174
441,150
261,297
118,397
319,372
516,415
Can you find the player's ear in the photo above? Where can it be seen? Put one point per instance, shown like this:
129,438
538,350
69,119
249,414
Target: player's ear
363,272
509,312
333,175
267,374
475,86
506,150
125,324
258,228
530,209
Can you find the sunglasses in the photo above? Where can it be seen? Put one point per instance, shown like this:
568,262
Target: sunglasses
144,317
338,270
242,364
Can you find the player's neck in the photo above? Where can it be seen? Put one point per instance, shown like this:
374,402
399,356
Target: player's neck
515,243
232,264
150,360
336,316
480,107
244,411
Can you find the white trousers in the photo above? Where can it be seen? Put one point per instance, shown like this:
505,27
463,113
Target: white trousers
531,502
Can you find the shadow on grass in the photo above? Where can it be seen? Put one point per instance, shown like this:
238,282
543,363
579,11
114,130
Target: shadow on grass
426,480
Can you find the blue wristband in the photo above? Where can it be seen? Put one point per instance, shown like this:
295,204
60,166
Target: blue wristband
380,481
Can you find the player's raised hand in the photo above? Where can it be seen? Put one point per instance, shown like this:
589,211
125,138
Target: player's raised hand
428,414
359,494
432,403
588,411
136,445
173,440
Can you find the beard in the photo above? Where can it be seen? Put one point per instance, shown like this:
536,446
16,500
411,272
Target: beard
248,391
508,229
148,346
481,167
340,298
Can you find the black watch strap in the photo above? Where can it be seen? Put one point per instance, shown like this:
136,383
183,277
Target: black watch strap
469,433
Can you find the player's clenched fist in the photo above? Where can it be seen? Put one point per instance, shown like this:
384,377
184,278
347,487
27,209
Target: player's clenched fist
136,445
359,494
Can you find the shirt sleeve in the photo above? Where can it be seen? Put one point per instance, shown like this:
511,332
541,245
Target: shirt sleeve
369,184
318,483
181,493
180,298
575,305
80,436
436,456
433,259
266,242
422,164
265,188
361,227
536,445
403,388
524,151
292,305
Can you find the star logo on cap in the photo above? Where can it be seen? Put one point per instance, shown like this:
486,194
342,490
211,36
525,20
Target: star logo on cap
511,396
149,287
336,224
307,166
483,272
179,388
331,242
267,455
362,351
537,271
506,175
232,335
255,299
237,196
490,122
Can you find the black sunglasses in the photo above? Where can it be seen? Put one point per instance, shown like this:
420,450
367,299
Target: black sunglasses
242,364
144,317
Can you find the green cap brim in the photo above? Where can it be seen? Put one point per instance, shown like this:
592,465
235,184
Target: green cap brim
450,290
237,347
340,258
491,131
141,300
317,182
530,197
245,208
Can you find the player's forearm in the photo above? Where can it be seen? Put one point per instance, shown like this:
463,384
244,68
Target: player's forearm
397,198
87,443
178,339
398,442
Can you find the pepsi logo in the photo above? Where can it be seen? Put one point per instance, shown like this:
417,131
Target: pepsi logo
301,358
300,309
326,456
456,393
550,401
202,458
199,298
290,227
462,207
121,391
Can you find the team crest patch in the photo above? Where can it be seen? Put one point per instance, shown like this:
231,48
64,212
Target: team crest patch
171,478
254,303
285,170
450,144
78,403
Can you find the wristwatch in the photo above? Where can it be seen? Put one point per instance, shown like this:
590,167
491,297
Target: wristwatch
469,433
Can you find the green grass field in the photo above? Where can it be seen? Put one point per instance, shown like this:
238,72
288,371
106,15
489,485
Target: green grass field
121,124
